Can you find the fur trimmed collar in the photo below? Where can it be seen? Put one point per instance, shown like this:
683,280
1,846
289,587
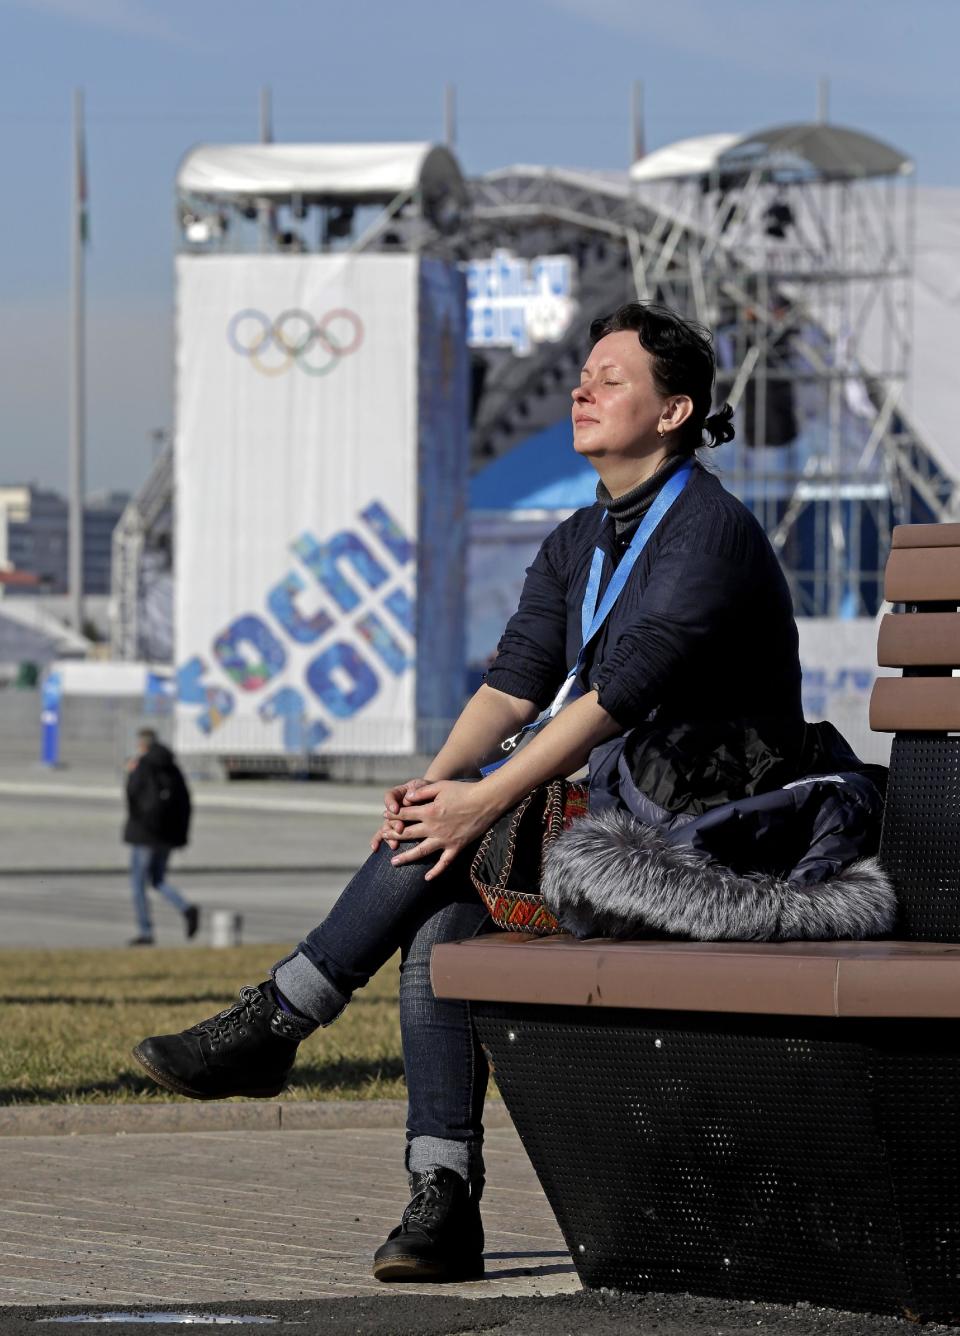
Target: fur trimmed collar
610,875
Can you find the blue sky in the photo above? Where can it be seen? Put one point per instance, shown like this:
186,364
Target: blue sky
537,81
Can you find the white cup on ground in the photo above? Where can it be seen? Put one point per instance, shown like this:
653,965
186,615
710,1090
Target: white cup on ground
226,928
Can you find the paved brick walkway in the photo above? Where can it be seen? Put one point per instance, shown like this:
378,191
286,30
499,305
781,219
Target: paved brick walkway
204,1217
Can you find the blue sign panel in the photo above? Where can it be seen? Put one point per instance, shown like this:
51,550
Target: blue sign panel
50,697
516,303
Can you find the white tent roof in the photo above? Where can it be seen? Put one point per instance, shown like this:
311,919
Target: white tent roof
686,157
817,149
361,173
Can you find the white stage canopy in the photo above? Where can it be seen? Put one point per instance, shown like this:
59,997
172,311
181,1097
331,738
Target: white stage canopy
828,152
360,173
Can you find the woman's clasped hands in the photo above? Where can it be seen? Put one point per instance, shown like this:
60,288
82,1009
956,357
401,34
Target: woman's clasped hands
441,816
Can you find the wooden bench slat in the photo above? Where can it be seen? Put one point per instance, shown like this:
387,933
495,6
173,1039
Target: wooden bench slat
915,705
919,640
926,535
923,575
907,979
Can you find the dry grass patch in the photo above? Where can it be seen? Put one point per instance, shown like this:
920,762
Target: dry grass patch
70,1019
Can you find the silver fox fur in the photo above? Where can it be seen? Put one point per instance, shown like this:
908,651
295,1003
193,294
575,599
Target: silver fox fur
610,875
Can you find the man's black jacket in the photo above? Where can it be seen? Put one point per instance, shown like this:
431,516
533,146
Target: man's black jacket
158,801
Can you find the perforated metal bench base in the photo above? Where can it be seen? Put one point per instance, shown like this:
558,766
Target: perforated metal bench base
776,1158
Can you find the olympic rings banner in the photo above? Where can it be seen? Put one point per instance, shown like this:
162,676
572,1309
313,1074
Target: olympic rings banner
294,339
321,457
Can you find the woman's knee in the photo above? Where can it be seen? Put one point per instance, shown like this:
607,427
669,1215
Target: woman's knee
449,923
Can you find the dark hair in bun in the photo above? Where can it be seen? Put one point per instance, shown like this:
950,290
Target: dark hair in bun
719,426
683,363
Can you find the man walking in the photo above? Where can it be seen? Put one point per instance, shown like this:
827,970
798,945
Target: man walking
158,821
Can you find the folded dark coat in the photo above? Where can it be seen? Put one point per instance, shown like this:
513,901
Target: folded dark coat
715,848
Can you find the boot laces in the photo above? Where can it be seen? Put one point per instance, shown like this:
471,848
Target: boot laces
427,1207
233,1018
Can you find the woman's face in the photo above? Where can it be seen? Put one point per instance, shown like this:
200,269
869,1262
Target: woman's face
616,407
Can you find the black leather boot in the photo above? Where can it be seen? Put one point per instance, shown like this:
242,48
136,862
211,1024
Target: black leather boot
440,1236
246,1050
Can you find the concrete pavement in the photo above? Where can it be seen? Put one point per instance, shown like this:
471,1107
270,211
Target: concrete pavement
282,1226
277,853
186,1217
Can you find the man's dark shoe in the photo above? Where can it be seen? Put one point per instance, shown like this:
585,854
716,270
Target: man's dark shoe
440,1236
191,921
140,941
246,1050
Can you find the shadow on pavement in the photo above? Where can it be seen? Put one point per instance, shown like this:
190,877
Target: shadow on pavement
344,1072
332,1076
511,1272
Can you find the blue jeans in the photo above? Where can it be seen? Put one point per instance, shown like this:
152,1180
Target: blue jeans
148,866
382,910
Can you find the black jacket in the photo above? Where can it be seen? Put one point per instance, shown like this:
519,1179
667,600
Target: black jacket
747,796
158,801
702,631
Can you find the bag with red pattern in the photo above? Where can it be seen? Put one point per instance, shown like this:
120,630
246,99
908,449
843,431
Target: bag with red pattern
507,866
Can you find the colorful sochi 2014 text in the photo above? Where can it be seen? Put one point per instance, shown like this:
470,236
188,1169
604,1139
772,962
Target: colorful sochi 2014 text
252,652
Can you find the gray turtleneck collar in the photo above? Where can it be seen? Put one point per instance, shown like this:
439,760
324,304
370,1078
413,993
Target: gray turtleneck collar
629,509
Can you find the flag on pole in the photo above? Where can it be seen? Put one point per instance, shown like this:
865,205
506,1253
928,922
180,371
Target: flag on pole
83,221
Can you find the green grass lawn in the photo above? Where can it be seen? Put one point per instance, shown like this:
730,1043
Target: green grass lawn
70,1018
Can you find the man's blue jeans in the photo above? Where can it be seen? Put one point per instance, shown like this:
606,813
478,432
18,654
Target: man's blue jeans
148,866
382,910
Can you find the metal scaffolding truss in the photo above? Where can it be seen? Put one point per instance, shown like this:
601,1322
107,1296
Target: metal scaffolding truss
142,546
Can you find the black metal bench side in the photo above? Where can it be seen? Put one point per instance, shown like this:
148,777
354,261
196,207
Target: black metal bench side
774,1158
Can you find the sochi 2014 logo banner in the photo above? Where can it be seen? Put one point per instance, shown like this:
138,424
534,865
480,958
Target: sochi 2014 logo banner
365,637
294,339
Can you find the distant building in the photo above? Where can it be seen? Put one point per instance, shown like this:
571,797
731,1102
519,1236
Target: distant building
100,517
34,539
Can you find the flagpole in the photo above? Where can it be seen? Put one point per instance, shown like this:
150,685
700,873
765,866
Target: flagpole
78,227
638,133
265,209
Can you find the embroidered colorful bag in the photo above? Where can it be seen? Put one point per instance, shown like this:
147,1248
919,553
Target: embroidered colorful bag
507,867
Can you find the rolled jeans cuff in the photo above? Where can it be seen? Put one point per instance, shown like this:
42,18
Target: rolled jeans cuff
308,989
463,1157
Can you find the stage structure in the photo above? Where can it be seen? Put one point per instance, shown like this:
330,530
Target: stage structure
795,246
320,451
800,260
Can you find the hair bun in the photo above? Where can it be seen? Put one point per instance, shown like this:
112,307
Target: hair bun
719,427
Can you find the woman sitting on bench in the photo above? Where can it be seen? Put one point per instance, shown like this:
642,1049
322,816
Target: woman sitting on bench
662,603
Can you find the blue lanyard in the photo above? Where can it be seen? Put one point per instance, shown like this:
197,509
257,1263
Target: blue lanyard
593,617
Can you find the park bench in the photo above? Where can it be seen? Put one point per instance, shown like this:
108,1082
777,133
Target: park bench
770,1121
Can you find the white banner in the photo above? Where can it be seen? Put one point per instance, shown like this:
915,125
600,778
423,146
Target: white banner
297,501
